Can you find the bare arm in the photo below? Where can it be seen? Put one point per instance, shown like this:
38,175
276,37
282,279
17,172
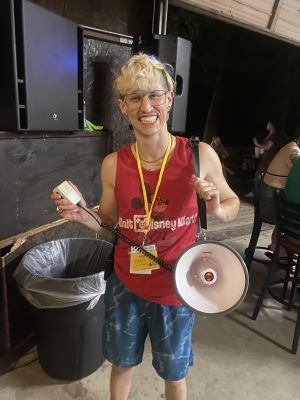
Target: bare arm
107,211
265,146
108,208
220,199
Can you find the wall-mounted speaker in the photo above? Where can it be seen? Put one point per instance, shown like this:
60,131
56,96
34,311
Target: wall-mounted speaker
41,72
175,51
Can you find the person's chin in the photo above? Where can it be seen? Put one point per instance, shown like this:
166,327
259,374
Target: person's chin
149,128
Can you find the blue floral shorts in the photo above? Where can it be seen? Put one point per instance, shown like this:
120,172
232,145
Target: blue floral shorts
128,321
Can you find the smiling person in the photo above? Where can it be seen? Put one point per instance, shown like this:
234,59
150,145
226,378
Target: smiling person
149,190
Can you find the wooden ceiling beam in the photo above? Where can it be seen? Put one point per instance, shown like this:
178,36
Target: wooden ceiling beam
274,14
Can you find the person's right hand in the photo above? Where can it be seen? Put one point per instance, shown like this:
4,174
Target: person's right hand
208,192
68,210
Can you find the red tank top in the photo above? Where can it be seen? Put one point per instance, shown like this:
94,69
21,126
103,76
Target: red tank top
174,219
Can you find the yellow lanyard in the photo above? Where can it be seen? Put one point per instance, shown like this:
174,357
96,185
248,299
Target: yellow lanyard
162,169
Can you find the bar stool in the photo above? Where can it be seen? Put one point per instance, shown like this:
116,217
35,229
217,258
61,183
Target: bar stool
288,236
257,224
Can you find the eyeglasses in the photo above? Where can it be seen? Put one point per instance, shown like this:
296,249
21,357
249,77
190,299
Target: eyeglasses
155,98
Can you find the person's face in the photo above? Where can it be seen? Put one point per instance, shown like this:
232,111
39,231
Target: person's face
147,110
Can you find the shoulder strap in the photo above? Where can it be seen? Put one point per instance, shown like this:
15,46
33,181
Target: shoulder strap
194,143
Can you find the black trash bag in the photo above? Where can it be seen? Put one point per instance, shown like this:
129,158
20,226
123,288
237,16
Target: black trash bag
65,272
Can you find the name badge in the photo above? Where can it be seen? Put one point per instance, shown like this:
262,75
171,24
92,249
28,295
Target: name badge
141,264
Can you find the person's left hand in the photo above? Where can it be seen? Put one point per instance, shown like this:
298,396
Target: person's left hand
209,193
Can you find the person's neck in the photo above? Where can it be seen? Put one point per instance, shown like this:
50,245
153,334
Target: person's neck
152,148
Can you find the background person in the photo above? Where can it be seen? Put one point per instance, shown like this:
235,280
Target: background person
217,145
275,180
265,150
149,190
292,186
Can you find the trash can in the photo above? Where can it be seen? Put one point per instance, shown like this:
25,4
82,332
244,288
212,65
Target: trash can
63,280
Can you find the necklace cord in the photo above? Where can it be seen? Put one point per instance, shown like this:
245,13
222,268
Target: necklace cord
162,169
152,161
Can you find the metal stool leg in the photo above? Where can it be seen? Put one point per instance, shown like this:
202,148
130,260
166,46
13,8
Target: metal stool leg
249,252
266,285
294,285
296,334
287,275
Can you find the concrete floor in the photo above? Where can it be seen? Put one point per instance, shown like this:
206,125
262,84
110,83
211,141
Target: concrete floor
235,358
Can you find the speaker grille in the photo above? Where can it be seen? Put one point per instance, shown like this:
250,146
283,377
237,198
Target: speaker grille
21,98
80,78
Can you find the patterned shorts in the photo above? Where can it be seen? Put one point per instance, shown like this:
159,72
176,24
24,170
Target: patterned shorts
128,321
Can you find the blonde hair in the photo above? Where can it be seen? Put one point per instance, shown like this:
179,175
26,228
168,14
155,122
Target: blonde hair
142,70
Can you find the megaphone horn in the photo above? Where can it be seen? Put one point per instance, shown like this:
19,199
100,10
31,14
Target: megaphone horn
211,278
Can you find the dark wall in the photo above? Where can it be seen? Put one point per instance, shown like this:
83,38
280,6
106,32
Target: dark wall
127,17
102,61
35,163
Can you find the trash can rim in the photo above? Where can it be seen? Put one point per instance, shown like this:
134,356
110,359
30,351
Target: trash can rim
78,278
75,279
70,238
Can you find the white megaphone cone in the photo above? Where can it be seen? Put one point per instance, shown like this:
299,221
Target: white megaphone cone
211,278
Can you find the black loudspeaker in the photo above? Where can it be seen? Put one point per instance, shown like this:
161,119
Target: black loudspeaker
176,52
41,72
